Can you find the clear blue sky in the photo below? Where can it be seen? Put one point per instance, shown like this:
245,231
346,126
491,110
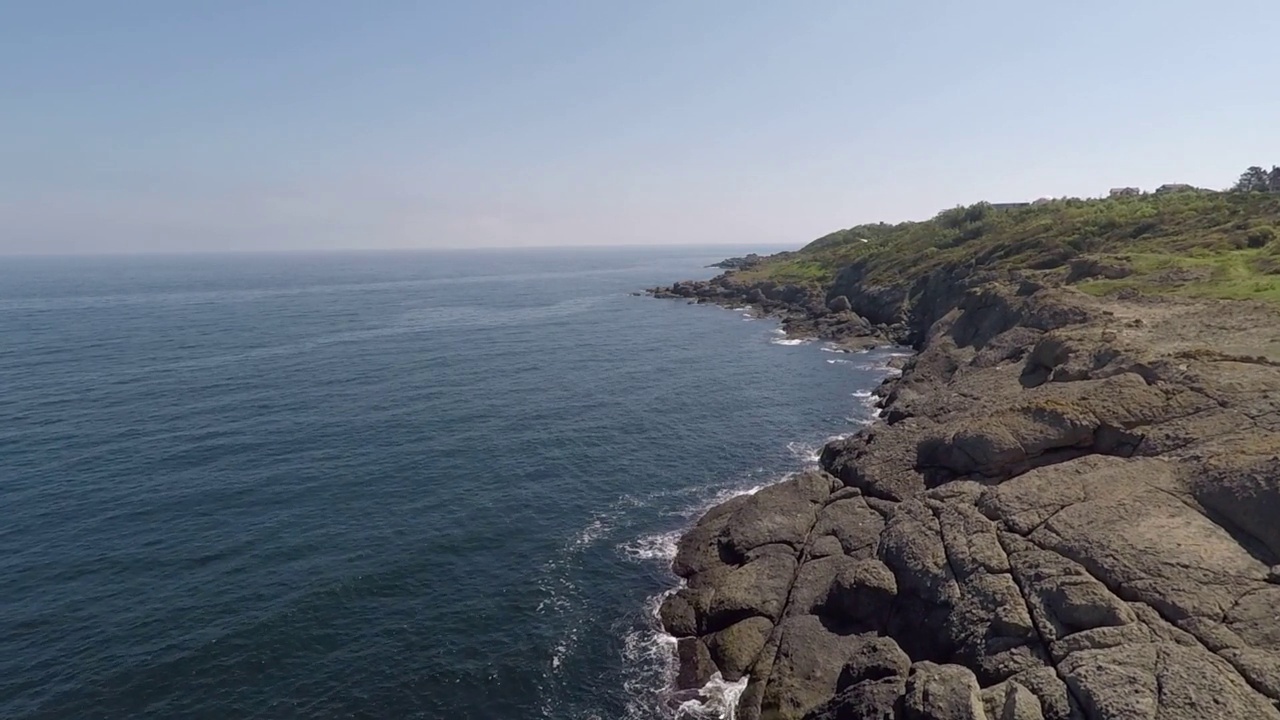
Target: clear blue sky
155,125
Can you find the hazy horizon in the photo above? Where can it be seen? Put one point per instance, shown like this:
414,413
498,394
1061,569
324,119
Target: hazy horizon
727,248
328,126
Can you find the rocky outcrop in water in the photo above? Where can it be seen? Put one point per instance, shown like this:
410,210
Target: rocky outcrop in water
739,263
1070,510
803,311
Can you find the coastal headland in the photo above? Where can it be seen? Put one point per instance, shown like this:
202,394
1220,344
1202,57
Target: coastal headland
1070,507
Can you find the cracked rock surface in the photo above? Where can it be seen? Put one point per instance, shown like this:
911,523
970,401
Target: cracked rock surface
1070,511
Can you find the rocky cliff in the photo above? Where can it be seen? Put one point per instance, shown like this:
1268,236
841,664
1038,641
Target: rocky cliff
1071,509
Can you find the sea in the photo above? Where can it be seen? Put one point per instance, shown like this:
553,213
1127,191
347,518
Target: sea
438,484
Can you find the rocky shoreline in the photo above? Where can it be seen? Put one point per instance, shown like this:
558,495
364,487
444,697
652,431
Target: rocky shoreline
1071,509
802,311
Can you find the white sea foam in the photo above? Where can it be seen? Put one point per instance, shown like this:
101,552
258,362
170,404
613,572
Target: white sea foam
789,341
651,652
592,532
730,493
862,393
659,546
717,699
662,546
833,348
779,331
838,361
805,452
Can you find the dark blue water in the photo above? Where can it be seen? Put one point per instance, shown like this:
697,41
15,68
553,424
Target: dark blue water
434,485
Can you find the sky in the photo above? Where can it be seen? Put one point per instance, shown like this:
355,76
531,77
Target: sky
210,125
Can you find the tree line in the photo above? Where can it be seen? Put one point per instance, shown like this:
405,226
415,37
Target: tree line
1257,179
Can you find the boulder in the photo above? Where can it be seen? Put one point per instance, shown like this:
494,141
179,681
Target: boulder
699,549
942,692
807,668
861,596
735,648
874,658
696,667
1011,701
678,614
778,514
758,588
869,700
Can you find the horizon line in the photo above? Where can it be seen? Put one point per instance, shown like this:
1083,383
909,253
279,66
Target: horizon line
774,247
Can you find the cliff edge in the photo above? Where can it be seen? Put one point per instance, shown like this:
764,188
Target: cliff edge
1070,509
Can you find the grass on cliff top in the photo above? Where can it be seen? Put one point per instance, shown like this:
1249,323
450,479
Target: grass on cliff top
1234,275
1202,244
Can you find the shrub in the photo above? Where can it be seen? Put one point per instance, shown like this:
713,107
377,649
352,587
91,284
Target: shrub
1143,228
1260,237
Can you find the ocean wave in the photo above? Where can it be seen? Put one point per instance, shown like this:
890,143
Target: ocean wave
651,651
726,494
790,341
717,699
805,452
662,546
659,546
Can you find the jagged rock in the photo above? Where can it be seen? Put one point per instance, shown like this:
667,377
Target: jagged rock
699,549
870,700
758,588
678,614
735,648
1245,490
781,513
813,583
807,668
1259,668
1011,701
1066,598
875,658
854,525
1073,505
1163,680
861,596
839,303
942,692
825,546
696,667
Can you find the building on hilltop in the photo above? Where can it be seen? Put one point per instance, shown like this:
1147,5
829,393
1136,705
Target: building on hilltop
1174,188
1125,192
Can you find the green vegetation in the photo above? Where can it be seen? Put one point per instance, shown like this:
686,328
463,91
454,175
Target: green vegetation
1237,274
1196,243
1256,179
